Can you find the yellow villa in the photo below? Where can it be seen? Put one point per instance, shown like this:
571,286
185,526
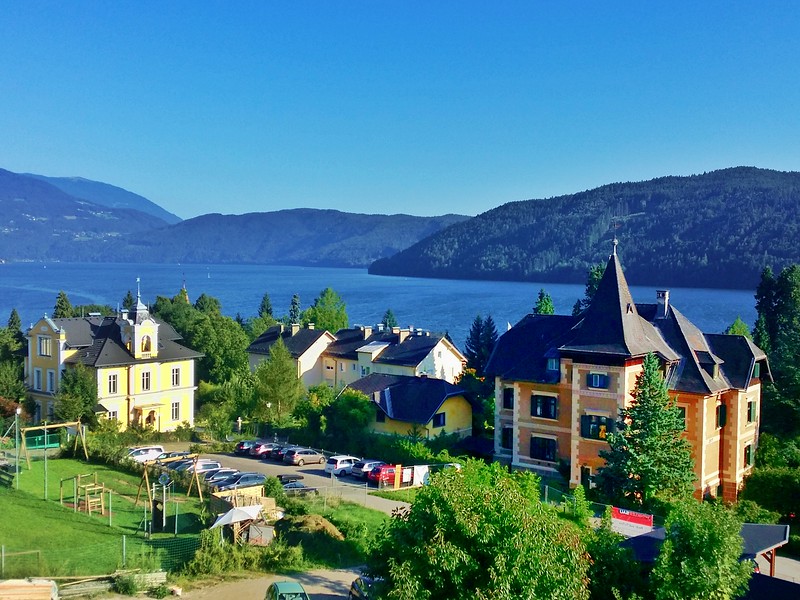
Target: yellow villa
144,376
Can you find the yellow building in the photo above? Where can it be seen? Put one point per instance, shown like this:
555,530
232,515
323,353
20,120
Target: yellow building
560,382
144,376
421,405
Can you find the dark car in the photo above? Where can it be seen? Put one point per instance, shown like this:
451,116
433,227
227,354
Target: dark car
244,446
298,488
362,588
279,453
219,474
260,449
240,480
289,477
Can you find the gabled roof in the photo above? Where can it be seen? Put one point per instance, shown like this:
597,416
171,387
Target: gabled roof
405,397
348,341
297,344
410,352
612,325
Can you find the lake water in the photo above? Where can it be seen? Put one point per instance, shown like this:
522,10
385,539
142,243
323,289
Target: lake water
434,304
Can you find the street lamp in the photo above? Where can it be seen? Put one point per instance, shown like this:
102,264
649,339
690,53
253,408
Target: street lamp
16,445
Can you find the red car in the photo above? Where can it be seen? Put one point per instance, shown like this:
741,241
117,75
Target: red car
382,474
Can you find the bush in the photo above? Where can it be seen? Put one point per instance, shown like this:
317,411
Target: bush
160,591
126,585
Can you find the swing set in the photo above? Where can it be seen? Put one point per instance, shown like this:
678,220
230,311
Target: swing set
47,439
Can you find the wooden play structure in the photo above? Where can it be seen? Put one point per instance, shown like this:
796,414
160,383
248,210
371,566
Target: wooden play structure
147,485
87,494
47,440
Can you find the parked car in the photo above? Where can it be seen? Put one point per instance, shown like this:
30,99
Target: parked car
259,449
166,456
217,474
145,453
240,480
301,456
178,463
382,474
201,466
288,477
286,590
244,446
279,453
298,488
363,467
362,588
341,464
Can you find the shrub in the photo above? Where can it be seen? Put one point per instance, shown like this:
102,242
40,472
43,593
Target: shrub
126,585
161,591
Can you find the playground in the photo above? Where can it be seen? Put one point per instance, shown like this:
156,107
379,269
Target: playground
73,517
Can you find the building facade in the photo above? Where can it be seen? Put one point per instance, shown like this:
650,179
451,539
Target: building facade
560,382
144,376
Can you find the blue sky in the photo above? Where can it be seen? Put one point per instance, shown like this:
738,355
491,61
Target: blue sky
385,107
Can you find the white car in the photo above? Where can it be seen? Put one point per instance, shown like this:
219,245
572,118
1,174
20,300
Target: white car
145,453
341,464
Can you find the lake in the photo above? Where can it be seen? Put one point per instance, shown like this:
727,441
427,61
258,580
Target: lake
438,305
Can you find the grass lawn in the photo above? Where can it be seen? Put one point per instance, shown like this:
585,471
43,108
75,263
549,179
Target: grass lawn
70,542
403,495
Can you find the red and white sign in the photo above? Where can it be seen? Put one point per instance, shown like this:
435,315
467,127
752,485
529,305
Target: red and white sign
629,522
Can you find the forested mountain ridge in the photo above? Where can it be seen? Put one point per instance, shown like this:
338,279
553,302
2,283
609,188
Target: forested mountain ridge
718,229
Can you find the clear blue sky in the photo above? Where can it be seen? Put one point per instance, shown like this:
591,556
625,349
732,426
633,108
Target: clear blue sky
385,107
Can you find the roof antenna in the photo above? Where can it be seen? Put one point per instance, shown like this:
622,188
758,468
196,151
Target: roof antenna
138,292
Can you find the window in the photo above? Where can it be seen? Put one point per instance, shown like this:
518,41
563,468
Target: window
112,383
722,414
354,367
508,398
757,371
37,379
596,427
544,448
45,346
552,364
51,380
146,344
597,380
544,407
380,416
176,411
146,381
364,371
682,411
329,367
111,415
749,455
438,419
752,411
341,367
176,377
51,412
507,438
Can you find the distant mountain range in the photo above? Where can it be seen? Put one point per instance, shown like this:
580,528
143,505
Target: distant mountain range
718,229
74,219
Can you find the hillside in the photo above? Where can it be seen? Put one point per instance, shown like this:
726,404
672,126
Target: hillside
38,221
718,229
108,195
290,237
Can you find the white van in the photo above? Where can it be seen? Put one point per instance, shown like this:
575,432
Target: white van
145,453
341,464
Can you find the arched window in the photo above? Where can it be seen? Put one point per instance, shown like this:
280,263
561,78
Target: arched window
146,343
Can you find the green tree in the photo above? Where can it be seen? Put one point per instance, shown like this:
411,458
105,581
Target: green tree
699,559
649,459
309,411
12,385
77,395
739,327
476,533
347,419
255,326
774,488
14,322
63,307
277,386
265,308
481,339
613,572
544,304
128,301
294,310
328,312
208,305
389,320
593,278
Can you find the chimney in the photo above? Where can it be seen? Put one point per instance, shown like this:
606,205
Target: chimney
310,326
295,328
662,304
367,331
379,326
402,335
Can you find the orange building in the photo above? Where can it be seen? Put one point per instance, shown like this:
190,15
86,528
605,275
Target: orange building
560,382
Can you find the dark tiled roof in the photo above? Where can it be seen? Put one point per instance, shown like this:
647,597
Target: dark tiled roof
612,325
739,355
348,341
297,344
407,398
98,342
410,352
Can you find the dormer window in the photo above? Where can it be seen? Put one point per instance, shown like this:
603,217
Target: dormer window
146,343
757,371
552,364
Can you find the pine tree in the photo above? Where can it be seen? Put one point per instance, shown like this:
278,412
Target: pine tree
277,385
294,310
739,327
472,348
488,339
649,458
265,308
63,307
389,320
328,312
128,302
593,278
14,322
544,304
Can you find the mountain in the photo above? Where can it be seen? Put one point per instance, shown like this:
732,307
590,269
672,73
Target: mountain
108,195
718,229
291,237
38,221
